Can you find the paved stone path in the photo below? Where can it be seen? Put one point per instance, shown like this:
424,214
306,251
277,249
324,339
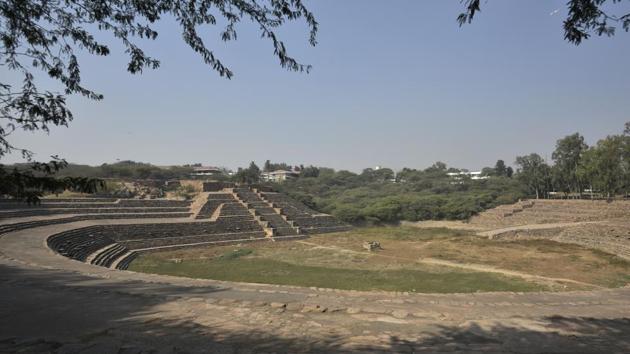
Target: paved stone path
52,304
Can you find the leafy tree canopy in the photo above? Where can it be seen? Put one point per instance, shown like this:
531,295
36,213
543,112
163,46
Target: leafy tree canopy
585,18
534,172
43,37
248,175
567,157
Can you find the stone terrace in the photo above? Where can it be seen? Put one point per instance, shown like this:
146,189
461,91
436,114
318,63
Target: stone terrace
551,211
265,212
299,215
213,202
92,206
230,216
104,244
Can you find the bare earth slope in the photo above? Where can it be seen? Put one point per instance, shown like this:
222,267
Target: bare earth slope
595,224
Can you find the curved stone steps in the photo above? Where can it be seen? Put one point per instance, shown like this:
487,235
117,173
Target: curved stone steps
78,244
123,262
106,257
5,228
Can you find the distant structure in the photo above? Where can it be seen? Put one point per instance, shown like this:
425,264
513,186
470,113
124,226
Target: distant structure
279,175
475,175
205,171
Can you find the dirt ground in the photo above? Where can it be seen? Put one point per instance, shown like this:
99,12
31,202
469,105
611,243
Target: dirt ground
554,265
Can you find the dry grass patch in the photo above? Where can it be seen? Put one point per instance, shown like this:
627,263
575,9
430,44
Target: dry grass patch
332,260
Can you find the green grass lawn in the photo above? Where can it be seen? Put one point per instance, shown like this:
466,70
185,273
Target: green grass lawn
241,266
338,260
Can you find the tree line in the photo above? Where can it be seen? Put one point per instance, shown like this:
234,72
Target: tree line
579,170
381,195
43,39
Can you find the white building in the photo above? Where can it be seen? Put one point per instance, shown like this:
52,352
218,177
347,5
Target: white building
476,175
279,175
203,171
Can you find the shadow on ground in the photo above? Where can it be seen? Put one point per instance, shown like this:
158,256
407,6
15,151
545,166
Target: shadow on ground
49,311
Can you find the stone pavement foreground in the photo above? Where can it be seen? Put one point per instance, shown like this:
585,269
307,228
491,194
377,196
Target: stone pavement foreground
51,304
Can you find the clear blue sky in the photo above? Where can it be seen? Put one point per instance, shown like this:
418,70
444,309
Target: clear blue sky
393,84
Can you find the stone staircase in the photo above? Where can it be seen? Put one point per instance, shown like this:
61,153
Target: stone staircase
269,230
278,211
198,203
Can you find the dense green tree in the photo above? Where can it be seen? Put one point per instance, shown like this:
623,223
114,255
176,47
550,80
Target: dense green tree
535,173
248,175
377,175
605,165
310,171
567,157
500,169
29,182
127,170
587,171
439,167
432,194
253,168
274,166
416,195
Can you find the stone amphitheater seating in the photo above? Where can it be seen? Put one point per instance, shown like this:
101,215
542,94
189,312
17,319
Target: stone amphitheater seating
124,263
193,240
213,202
109,255
82,203
4,228
320,224
64,205
300,216
130,232
62,200
208,209
233,209
267,214
43,212
291,205
220,196
244,216
79,243
154,203
282,227
216,186
79,200
84,206
551,211
108,243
